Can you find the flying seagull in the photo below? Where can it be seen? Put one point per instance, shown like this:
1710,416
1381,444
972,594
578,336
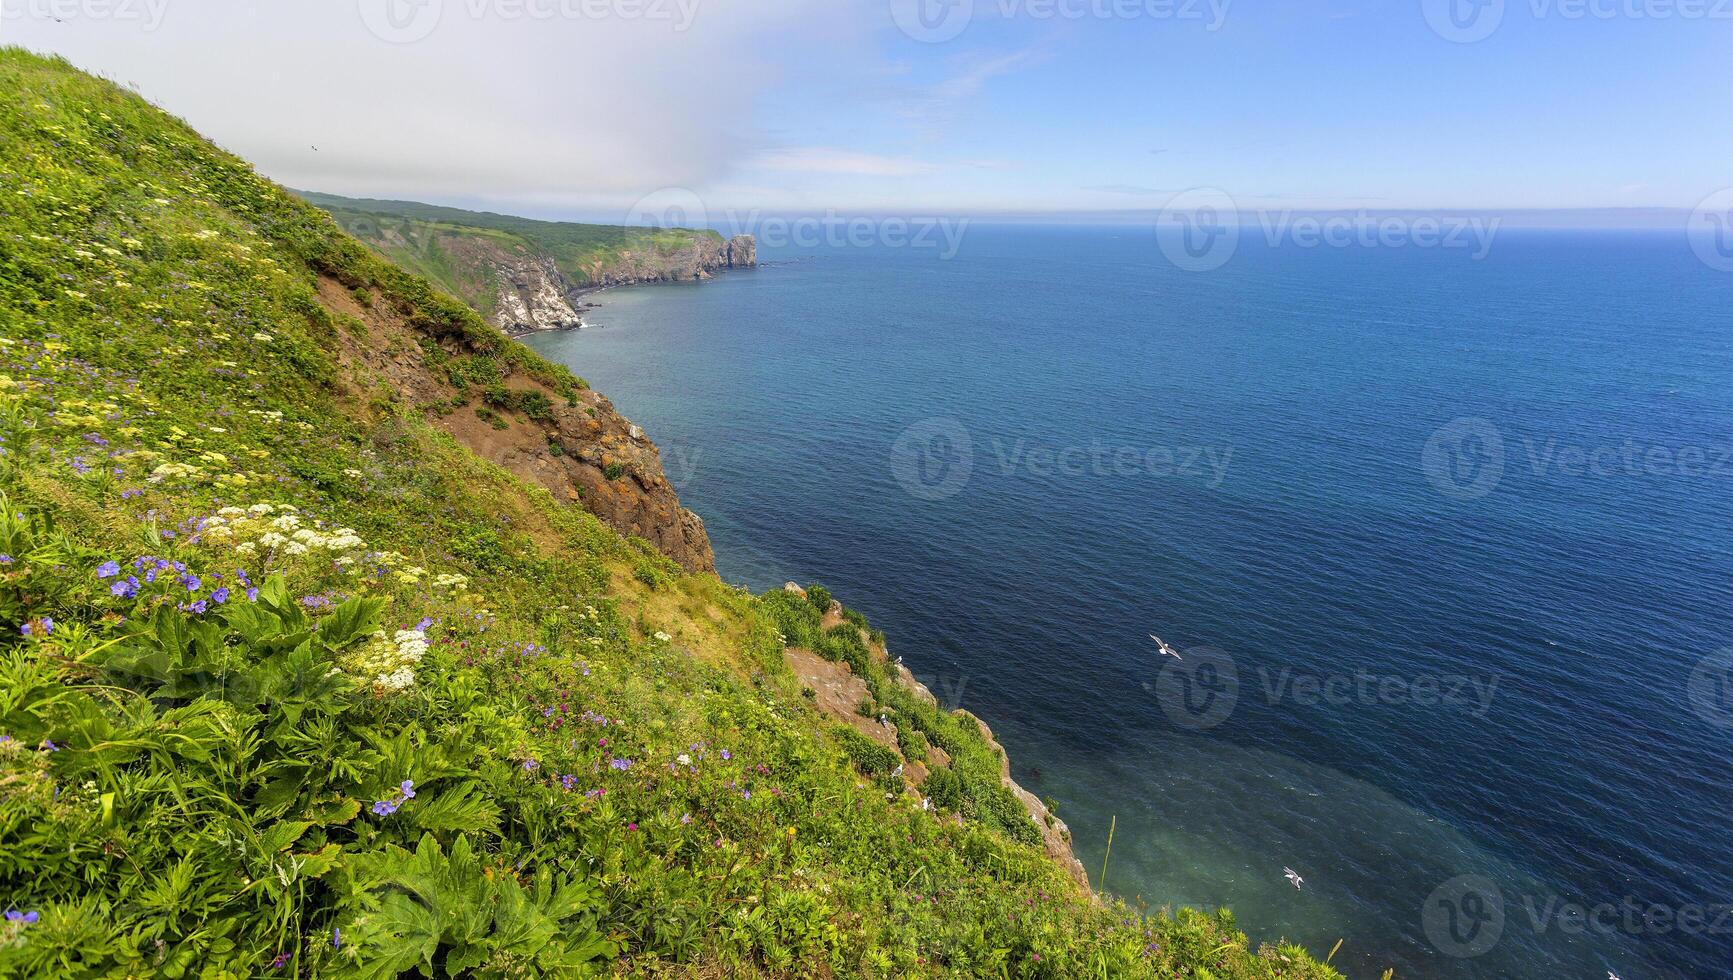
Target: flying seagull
1293,876
1170,651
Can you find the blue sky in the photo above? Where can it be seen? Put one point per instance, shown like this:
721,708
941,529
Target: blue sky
1035,105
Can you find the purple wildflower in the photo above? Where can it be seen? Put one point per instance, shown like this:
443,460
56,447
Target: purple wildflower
125,588
220,596
406,792
337,938
726,755
280,961
108,569
28,918
191,581
252,594
620,764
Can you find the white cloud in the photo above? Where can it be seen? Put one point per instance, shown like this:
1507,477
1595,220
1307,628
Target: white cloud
825,160
577,101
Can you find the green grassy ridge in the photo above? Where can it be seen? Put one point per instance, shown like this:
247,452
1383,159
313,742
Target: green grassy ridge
419,236
216,571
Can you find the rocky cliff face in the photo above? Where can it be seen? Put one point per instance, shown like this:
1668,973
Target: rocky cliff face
704,257
836,691
532,296
584,453
742,252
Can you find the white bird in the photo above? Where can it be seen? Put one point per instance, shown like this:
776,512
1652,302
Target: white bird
1170,651
1294,876
1612,976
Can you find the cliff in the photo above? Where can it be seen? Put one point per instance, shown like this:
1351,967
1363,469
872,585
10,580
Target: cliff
526,275
841,685
555,433
313,666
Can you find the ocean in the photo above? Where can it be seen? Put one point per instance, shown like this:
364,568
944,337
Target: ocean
1443,539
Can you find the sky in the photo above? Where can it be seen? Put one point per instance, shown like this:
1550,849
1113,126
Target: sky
591,108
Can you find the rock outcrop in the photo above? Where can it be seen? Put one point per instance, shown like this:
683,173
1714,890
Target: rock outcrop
837,692
706,255
532,296
584,452
742,252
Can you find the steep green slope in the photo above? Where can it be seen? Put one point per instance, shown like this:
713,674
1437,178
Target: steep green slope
292,684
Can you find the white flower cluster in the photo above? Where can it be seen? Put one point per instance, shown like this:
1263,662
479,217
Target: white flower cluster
391,661
172,471
278,529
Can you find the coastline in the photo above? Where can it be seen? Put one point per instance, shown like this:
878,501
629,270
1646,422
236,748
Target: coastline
577,296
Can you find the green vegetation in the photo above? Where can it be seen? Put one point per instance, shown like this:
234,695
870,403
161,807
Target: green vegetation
292,684
445,245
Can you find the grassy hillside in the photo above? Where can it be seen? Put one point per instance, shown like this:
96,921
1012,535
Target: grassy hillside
439,243
292,684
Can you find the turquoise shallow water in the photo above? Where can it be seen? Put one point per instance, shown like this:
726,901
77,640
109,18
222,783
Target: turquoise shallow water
1447,546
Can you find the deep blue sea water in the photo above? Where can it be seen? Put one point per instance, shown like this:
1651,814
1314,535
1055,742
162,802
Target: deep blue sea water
1433,534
